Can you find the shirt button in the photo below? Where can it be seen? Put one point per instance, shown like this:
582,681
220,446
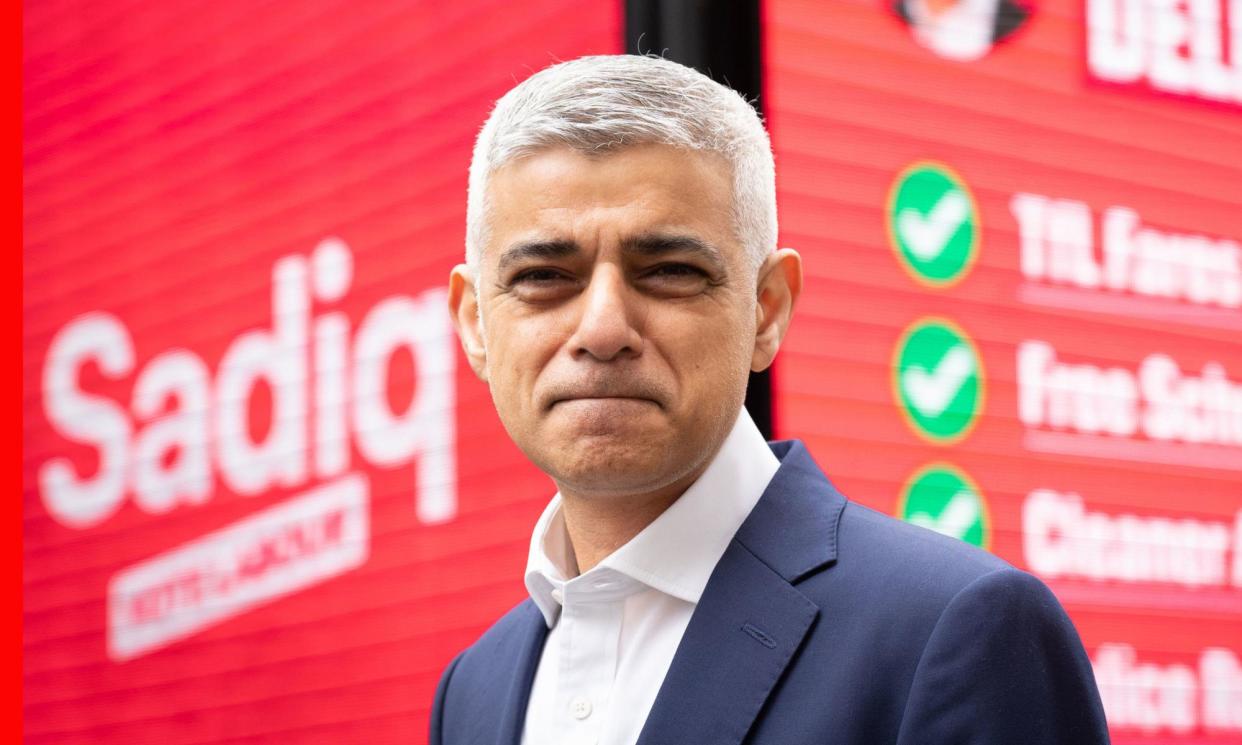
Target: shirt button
580,707
558,596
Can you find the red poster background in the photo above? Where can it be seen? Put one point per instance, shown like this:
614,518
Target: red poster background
852,100
173,153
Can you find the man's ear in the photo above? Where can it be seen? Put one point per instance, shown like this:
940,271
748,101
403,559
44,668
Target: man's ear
779,284
463,303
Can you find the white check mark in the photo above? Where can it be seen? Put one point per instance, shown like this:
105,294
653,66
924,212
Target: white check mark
926,236
955,519
931,392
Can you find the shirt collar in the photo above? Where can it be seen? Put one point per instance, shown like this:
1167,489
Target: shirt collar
678,551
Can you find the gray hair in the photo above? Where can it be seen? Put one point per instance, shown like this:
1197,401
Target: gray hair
605,103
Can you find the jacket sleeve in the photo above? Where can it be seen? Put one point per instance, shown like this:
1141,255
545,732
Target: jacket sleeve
1004,665
436,736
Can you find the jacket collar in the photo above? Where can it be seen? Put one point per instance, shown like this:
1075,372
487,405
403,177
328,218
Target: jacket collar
751,619
793,528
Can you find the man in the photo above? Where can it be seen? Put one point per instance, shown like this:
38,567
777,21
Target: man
688,582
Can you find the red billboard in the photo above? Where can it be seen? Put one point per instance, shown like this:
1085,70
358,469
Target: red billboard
264,498
1022,324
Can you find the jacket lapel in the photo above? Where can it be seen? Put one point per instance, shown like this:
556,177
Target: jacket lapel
527,644
751,619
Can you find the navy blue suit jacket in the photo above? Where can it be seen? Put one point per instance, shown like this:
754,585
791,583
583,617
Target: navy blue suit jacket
827,623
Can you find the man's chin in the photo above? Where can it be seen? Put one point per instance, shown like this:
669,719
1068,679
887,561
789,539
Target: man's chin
603,464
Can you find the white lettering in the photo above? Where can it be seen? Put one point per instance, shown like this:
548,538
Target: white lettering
1056,240
1207,51
1184,47
332,270
277,357
81,417
1153,697
1081,397
427,425
1061,538
1206,408
1221,676
1115,40
179,436
1056,244
1169,33
186,425
295,544
1145,696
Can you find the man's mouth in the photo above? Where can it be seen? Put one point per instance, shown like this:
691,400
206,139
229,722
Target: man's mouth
602,389
611,397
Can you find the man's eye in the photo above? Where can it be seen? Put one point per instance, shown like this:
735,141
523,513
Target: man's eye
677,271
674,280
537,276
540,285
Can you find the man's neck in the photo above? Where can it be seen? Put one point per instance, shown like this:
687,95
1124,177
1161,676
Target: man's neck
598,525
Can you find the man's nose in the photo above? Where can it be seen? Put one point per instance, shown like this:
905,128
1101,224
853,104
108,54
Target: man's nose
606,328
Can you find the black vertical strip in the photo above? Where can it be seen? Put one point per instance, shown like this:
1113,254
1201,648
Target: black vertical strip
721,39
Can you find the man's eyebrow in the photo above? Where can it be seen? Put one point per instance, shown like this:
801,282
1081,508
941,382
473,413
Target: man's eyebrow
537,249
654,245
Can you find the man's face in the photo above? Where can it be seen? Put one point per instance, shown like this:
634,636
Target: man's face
618,314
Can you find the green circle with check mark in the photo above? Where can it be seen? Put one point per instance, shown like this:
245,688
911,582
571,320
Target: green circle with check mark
933,224
938,380
941,497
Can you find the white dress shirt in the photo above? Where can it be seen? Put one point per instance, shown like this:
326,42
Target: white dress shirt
614,629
